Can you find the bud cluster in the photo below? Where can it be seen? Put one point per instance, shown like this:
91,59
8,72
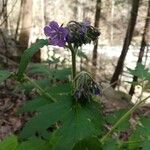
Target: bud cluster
86,87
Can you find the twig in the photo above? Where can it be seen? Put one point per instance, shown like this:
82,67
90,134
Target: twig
9,13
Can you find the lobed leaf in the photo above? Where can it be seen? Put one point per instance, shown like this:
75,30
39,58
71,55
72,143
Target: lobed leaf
140,71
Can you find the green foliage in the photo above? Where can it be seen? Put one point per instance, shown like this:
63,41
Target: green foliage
4,75
111,144
68,124
60,74
10,143
141,72
77,122
27,55
34,144
33,105
88,144
113,118
141,136
28,87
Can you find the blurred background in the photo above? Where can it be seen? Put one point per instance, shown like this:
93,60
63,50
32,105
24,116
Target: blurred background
124,39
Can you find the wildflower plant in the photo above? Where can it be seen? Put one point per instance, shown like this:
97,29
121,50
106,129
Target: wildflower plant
68,108
67,113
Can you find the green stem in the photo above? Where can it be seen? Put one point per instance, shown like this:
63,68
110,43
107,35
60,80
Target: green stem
104,138
73,57
73,65
39,88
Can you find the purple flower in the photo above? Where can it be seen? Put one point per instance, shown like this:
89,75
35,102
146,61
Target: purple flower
57,34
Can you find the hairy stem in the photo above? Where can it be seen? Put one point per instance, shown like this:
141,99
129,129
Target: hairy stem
105,137
39,88
73,57
73,65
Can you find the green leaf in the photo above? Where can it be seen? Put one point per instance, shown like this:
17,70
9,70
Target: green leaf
40,69
27,55
111,144
28,87
34,144
79,123
61,74
50,73
145,145
141,135
76,122
140,71
59,90
33,105
88,144
4,75
115,116
9,143
49,115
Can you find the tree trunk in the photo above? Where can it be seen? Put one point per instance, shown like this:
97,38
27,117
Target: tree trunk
4,14
96,24
144,43
127,41
26,20
18,20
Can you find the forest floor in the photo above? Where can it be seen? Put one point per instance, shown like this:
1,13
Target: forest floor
10,101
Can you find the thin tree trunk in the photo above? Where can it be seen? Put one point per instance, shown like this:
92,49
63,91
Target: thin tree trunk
96,24
18,20
144,43
127,41
5,14
146,54
26,18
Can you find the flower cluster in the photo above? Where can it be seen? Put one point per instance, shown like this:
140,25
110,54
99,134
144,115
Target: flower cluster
86,87
76,33
81,33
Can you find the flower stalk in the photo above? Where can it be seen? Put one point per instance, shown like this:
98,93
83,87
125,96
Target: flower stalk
73,65
73,57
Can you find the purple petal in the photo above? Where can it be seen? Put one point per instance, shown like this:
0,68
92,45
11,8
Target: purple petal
54,41
47,31
61,43
54,25
57,35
